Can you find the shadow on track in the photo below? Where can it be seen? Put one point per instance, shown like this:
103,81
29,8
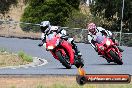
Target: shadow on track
106,64
62,68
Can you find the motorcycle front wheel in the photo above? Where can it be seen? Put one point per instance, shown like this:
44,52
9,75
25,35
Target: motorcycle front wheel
115,57
63,60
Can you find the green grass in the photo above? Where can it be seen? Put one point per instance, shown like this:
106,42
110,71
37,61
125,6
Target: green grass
21,54
25,57
2,49
59,86
40,86
13,87
8,58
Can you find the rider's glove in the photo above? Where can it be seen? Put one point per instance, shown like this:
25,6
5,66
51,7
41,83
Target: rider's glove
41,44
64,37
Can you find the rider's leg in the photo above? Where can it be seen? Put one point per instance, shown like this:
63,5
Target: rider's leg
42,42
94,46
115,41
74,46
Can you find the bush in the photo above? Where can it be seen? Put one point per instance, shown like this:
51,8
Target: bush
56,11
25,57
77,20
2,50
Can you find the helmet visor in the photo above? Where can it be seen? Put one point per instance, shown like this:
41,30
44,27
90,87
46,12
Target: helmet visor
92,30
43,28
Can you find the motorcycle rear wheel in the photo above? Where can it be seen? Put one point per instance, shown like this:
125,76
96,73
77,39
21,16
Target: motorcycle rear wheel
63,60
115,57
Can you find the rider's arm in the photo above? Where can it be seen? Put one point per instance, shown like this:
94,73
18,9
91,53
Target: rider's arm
43,37
91,41
110,34
61,31
105,32
63,34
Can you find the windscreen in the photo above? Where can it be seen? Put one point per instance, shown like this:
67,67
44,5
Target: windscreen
100,39
51,36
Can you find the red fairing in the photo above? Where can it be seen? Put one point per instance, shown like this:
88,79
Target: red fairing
114,49
107,48
64,47
54,55
58,49
68,47
118,52
51,42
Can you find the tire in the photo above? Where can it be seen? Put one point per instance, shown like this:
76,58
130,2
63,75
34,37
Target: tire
79,63
115,57
63,60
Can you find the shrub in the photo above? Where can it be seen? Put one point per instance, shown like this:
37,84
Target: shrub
25,57
2,49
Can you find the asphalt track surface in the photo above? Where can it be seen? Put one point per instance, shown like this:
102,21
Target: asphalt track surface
93,63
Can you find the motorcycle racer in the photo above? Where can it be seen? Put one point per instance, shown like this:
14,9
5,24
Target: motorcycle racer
99,31
46,29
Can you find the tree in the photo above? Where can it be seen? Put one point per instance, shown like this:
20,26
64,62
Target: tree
74,3
5,5
111,10
77,20
56,11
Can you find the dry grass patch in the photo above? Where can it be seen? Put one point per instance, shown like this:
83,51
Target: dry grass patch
52,82
8,59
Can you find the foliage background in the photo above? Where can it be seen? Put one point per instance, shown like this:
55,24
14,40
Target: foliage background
5,5
105,13
111,11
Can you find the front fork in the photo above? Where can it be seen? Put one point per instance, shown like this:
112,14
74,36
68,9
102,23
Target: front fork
115,48
117,51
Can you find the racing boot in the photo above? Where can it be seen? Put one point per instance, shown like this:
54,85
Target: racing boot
108,61
79,62
77,52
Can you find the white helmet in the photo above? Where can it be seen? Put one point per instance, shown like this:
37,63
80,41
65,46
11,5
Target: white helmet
44,25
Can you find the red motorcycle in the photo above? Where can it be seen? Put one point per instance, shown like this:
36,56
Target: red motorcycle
109,50
62,51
